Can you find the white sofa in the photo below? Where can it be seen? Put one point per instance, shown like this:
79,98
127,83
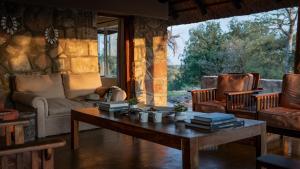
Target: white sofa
53,96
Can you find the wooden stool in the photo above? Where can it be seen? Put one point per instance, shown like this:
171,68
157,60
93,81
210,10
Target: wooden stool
276,162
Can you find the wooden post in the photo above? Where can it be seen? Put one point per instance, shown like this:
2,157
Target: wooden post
129,55
297,53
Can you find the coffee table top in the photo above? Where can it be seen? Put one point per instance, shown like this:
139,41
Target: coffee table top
168,126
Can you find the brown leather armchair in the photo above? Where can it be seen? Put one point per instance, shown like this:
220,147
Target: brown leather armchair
233,92
281,111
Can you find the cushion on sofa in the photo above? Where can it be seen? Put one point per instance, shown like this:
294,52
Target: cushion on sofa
60,106
211,106
117,94
233,83
290,91
48,86
81,84
281,117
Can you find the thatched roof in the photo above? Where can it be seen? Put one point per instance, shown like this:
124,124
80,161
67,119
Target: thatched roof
190,11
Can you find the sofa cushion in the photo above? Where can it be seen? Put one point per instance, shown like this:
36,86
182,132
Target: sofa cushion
281,117
81,84
233,83
60,106
48,86
211,106
290,91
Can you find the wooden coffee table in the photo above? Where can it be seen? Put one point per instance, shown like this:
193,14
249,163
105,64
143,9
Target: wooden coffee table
169,133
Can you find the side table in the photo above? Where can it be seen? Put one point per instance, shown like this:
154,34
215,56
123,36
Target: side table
30,130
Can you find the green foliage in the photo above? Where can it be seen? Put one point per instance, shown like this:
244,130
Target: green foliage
133,101
180,108
248,46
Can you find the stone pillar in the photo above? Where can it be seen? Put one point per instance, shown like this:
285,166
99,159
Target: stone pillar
150,60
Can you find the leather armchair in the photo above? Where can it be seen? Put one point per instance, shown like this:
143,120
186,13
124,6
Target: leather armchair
281,111
233,93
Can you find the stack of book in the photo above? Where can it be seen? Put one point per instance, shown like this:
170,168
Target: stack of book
113,106
214,121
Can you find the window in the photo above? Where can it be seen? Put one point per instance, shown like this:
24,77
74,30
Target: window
107,52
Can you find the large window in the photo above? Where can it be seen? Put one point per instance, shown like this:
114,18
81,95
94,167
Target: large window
107,52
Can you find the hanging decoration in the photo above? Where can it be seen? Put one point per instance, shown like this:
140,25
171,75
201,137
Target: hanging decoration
51,35
9,24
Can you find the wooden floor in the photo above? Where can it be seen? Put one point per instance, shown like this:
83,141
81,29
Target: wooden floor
104,149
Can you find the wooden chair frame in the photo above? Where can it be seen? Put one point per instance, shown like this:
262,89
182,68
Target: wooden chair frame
41,151
240,103
271,100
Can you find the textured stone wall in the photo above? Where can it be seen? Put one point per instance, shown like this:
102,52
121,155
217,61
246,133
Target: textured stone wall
150,60
28,52
269,85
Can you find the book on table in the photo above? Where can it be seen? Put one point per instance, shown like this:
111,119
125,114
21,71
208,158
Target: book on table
214,117
214,121
113,106
216,127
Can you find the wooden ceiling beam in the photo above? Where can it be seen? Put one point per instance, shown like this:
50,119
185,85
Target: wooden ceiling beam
172,12
202,7
237,4
162,1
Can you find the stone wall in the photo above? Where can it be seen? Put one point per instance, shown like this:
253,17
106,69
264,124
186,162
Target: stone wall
150,60
28,52
269,85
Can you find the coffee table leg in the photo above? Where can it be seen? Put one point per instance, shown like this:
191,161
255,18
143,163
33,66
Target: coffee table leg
261,143
190,155
74,134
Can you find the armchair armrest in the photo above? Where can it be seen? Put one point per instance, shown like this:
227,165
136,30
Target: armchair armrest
203,95
243,92
39,103
268,100
28,99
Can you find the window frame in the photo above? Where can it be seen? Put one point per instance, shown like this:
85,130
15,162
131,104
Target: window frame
107,44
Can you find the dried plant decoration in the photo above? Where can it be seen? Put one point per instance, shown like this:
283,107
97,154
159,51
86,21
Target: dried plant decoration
9,24
51,35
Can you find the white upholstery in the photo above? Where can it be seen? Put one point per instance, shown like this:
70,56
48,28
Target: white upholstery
48,86
60,106
81,84
45,93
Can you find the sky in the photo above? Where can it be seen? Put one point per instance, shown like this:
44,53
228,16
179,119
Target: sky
183,32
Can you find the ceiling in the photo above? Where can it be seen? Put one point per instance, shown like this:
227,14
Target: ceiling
190,11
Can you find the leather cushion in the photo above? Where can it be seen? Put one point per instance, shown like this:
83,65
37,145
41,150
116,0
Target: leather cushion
233,83
63,106
290,91
81,84
212,106
281,117
48,86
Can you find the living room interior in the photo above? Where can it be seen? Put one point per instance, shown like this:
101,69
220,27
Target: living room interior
84,85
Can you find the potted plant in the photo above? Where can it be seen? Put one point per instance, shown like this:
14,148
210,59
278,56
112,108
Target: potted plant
133,103
180,111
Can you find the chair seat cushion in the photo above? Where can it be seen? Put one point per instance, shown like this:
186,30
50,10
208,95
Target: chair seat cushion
281,117
60,106
211,106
